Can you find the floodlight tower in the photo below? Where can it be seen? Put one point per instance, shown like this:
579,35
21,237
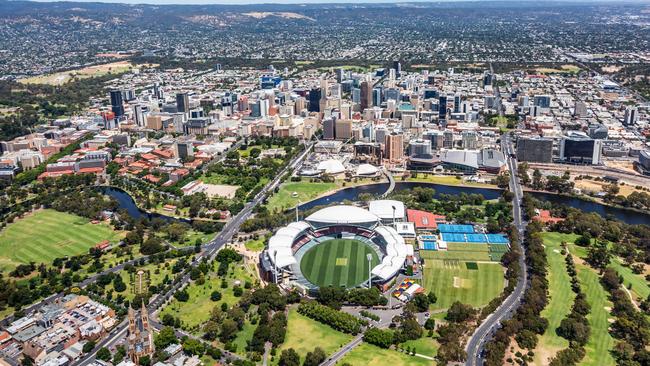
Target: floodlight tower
369,257
275,264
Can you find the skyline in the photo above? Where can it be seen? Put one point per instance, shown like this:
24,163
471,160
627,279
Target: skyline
301,2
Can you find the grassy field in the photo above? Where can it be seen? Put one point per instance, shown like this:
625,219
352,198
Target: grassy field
451,280
196,310
338,262
560,302
243,337
640,289
256,245
573,69
426,346
459,251
600,342
83,73
305,334
306,191
366,354
48,234
449,180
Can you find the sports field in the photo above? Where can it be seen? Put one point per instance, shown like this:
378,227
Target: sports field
338,262
465,281
48,234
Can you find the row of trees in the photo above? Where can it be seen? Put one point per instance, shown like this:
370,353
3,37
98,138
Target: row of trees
527,322
336,319
335,297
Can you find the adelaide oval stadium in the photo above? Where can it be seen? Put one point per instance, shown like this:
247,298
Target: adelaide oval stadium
341,245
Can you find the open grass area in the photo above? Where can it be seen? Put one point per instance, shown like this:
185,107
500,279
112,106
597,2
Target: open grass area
367,354
196,310
426,346
338,262
640,289
83,73
244,336
451,280
44,235
305,191
448,180
560,302
573,69
465,255
305,334
256,245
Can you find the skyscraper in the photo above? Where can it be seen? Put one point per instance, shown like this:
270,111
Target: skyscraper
398,68
117,103
631,116
314,100
442,107
394,147
366,95
183,102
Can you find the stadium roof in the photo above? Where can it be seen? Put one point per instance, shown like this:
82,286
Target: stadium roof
461,157
342,214
396,252
367,169
384,209
331,166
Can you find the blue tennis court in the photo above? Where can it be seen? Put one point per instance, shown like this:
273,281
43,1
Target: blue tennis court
476,238
429,245
454,237
449,228
497,239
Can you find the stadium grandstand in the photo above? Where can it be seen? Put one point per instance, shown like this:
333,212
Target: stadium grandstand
338,245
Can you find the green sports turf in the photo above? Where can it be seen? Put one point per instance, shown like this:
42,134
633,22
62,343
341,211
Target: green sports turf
338,262
48,234
451,280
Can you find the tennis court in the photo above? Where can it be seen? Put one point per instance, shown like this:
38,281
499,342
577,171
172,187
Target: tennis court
496,239
429,245
451,228
454,237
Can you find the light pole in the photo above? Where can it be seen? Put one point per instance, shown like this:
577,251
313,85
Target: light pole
275,264
394,215
369,257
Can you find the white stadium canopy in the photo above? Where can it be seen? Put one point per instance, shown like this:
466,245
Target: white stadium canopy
384,209
342,214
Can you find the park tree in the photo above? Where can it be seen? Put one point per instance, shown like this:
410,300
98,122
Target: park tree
599,256
315,358
104,354
289,357
165,337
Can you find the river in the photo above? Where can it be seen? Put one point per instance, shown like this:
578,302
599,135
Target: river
352,193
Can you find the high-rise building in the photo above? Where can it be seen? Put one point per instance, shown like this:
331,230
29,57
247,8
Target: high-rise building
329,128
117,103
419,147
535,150
394,147
343,129
469,140
314,100
457,100
447,139
542,101
577,147
398,68
442,107
366,95
631,116
376,96
183,102
580,110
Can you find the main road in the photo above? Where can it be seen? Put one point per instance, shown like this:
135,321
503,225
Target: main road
482,334
209,252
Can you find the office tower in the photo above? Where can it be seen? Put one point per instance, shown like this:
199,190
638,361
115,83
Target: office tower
577,147
376,96
442,107
392,94
196,113
324,88
430,93
398,68
343,129
487,79
366,95
314,100
391,74
394,147
631,116
380,135
184,150
156,90
264,107
419,147
535,149
435,139
340,75
299,105
542,101
218,67
469,140
457,100
183,102
447,139
356,95
523,101
580,110
329,128
138,115
643,165
117,103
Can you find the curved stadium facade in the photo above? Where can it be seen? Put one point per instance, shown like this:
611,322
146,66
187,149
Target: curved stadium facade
353,233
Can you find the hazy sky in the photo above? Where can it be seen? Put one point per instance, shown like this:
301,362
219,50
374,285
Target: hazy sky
289,1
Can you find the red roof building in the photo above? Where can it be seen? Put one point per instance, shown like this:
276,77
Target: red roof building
546,217
425,220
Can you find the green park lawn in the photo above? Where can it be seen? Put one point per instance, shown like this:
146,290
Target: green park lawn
459,251
367,354
640,288
305,334
196,310
426,346
256,245
47,234
244,336
155,272
306,191
560,300
447,180
451,281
